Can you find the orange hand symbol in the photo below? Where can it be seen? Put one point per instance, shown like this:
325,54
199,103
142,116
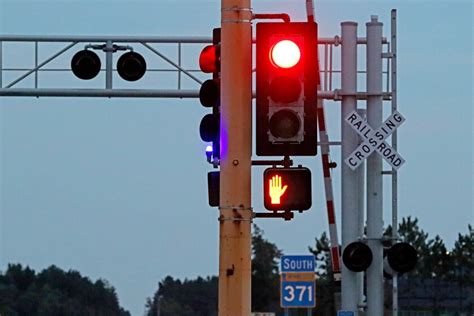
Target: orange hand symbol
276,191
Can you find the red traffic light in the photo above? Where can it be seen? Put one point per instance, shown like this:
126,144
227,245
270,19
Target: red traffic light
285,54
209,59
287,189
286,89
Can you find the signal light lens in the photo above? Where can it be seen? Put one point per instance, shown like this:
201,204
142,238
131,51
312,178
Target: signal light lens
209,128
285,124
208,59
357,256
85,64
209,93
285,54
402,257
131,66
285,89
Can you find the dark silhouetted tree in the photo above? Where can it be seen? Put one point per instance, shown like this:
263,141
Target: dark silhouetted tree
55,292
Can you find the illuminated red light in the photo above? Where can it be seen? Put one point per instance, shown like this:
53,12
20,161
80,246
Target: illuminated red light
208,59
275,189
285,54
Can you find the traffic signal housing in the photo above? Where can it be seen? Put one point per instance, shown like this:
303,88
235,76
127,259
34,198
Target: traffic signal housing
286,89
209,94
287,189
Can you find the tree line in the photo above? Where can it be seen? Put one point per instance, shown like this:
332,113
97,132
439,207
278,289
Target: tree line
436,266
443,280
54,292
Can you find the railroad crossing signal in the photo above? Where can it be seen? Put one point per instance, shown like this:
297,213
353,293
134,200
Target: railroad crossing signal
287,79
401,257
374,140
287,189
85,64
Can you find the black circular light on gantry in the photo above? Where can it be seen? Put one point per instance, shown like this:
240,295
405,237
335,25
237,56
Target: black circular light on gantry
85,64
131,66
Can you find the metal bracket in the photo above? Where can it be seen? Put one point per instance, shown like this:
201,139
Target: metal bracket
286,215
237,9
388,55
284,162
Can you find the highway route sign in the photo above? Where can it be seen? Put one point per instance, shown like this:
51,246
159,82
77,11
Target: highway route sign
297,282
374,140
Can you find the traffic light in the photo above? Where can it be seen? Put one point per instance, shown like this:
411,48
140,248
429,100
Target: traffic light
287,189
209,94
357,256
287,80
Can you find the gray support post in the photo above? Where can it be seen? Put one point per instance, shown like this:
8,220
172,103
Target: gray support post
374,170
349,295
36,65
393,62
361,212
1,64
108,64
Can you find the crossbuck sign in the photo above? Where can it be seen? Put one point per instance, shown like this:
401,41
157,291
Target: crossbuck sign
374,140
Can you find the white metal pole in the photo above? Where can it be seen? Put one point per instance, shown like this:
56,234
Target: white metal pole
1,64
349,295
374,170
361,212
393,43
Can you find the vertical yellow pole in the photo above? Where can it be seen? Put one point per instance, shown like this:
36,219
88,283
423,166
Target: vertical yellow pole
236,150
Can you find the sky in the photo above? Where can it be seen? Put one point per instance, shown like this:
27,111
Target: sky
116,188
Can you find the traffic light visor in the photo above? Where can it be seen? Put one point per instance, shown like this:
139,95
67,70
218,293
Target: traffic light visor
285,54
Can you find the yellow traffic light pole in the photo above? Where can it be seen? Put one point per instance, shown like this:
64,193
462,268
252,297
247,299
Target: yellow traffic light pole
236,150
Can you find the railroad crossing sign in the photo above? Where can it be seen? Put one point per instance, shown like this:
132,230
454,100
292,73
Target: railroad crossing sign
297,280
374,140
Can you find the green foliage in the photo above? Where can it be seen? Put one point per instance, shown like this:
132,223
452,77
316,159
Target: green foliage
191,297
265,273
463,257
325,287
199,297
55,292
